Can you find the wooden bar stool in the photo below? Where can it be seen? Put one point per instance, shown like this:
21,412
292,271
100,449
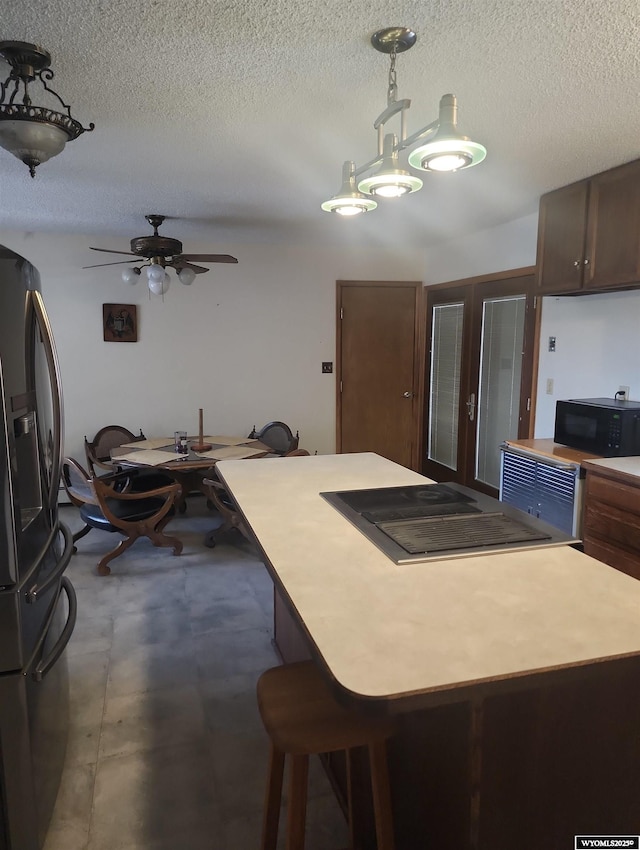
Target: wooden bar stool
302,718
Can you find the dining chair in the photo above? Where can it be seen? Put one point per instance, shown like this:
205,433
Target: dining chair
278,436
219,498
98,455
132,514
98,450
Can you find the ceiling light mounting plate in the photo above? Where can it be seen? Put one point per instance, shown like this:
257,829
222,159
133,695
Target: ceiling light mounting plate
26,59
155,221
393,39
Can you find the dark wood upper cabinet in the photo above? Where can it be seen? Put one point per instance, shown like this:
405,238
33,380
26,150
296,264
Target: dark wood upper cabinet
561,237
589,234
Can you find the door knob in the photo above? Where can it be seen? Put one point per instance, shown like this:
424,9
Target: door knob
408,395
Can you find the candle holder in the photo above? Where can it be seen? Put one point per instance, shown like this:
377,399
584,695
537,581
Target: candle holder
200,446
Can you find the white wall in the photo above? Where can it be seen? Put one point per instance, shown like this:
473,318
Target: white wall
244,342
510,246
597,350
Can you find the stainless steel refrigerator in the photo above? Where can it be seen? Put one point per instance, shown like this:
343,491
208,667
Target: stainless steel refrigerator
37,601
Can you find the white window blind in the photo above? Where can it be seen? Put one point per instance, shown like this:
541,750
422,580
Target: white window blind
444,393
499,386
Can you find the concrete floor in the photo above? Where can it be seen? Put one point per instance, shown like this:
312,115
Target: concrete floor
166,750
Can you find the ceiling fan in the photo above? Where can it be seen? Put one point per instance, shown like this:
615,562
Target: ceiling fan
161,252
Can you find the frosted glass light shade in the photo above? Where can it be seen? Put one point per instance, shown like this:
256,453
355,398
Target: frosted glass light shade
32,141
447,155
390,181
186,276
131,276
156,273
159,287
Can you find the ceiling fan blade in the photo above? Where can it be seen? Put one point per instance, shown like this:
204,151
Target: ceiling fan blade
209,258
179,263
108,251
117,263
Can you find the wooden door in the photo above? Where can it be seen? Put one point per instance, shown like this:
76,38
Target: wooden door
379,369
480,375
612,254
561,238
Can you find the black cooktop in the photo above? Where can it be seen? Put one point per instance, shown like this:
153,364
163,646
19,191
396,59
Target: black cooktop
424,521
393,503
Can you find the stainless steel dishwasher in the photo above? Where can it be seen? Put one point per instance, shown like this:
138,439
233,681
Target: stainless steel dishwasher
551,490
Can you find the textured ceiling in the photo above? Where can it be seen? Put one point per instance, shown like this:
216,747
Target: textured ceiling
233,117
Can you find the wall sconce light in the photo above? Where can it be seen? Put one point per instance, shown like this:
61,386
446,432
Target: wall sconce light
444,148
32,133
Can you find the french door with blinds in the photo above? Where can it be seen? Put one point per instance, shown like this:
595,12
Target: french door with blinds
479,376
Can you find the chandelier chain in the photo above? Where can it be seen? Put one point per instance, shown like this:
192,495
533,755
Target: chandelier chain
392,90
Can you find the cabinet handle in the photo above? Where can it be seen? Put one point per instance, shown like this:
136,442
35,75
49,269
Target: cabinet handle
576,264
586,261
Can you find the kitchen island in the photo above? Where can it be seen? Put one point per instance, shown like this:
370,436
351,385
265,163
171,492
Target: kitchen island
514,677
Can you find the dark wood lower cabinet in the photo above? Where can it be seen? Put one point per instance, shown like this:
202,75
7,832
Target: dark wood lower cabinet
528,769
611,526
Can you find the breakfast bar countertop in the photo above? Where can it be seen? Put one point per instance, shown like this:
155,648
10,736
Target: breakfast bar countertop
435,629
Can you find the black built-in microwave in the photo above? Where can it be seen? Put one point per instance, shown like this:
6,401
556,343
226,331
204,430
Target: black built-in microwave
603,426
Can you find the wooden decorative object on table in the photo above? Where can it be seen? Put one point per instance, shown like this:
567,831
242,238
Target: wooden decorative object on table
200,446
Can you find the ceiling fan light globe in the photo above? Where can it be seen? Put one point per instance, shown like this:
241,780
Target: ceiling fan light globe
155,273
131,276
186,276
159,287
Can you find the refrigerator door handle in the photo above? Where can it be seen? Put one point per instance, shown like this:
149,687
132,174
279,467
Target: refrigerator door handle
45,664
34,593
42,322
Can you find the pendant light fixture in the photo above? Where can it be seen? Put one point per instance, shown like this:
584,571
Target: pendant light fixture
444,148
349,201
32,133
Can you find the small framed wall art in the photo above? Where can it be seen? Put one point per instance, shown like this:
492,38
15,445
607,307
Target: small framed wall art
120,322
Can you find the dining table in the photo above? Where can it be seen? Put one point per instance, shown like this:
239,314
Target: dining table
187,469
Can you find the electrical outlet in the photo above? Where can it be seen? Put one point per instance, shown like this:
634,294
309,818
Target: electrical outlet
327,367
620,392
552,344
549,386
